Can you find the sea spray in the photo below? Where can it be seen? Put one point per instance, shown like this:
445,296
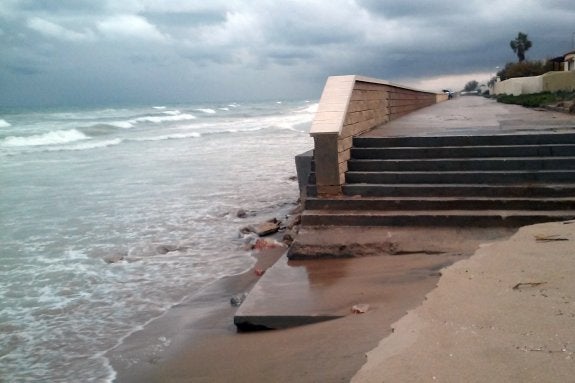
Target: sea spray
4,123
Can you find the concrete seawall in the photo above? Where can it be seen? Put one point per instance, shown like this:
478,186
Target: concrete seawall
352,105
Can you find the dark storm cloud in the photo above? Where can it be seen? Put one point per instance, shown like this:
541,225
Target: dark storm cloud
184,19
163,50
430,9
23,69
61,6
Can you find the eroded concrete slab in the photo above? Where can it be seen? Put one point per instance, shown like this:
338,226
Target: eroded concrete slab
299,292
349,241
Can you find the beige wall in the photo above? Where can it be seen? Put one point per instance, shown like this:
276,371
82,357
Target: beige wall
349,106
556,81
548,82
520,85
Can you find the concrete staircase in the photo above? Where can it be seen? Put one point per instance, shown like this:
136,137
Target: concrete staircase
480,180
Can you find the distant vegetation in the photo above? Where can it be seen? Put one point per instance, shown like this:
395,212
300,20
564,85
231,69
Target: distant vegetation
557,99
525,69
562,101
520,45
471,86
522,68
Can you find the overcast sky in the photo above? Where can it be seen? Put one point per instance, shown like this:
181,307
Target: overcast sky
76,52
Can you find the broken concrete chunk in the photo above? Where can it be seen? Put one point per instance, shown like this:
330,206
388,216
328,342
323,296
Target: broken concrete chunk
114,258
165,249
247,229
266,228
238,299
360,308
262,244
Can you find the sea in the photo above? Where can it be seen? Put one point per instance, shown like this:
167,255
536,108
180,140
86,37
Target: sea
111,215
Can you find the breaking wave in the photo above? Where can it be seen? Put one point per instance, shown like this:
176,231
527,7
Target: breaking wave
51,138
159,119
206,110
122,124
91,145
4,123
170,137
310,109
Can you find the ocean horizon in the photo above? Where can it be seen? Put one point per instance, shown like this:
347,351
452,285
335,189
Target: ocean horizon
110,216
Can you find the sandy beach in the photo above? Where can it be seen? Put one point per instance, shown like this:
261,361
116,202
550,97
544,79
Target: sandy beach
504,315
197,341
207,348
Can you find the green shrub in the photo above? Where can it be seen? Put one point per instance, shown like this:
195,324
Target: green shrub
525,69
536,99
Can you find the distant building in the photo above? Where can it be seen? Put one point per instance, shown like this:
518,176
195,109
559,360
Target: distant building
565,62
569,61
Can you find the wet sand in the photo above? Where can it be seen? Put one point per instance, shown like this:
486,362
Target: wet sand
197,341
207,348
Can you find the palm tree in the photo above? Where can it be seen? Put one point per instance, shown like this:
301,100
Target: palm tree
520,45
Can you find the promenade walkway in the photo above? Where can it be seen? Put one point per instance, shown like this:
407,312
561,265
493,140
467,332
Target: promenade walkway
472,115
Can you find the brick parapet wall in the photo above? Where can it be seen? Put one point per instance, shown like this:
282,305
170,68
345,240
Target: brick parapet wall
350,106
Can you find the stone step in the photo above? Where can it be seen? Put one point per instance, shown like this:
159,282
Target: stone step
439,203
564,150
450,164
429,177
459,190
483,140
491,218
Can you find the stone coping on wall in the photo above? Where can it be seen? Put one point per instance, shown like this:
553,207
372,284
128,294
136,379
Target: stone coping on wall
335,98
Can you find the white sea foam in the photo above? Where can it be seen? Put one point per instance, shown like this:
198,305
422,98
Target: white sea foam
94,145
234,105
122,124
311,109
233,130
57,137
159,107
226,109
4,123
170,137
285,126
206,110
160,119
172,112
